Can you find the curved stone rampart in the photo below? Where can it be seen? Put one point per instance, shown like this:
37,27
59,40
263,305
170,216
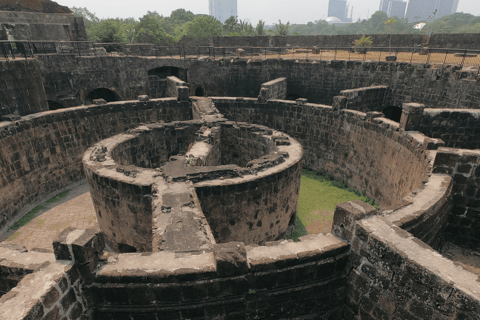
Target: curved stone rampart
371,154
41,153
395,275
318,81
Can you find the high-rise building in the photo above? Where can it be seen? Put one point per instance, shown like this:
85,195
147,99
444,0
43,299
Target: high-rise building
422,10
396,9
338,9
222,9
446,7
384,5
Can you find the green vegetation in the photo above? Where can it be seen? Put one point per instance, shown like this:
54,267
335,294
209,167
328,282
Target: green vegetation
32,213
58,197
379,23
319,195
14,236
157,29
203,26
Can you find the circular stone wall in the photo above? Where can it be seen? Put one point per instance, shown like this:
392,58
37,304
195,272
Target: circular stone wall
144,185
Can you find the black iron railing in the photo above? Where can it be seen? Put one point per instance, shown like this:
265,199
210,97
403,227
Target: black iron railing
413,55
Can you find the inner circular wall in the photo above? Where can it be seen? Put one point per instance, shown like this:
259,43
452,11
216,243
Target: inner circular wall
250,194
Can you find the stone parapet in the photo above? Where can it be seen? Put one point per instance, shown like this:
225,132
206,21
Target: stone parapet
235,281
464,220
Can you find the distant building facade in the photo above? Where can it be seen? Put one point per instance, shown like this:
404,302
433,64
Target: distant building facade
396,9
421,10
222,9
339,9
446,7
384,5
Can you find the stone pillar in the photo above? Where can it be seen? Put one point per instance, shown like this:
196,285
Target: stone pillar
231,259
411,116
83,247
339,102
183,94
347,214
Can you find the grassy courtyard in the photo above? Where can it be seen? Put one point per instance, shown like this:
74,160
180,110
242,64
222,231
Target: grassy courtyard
319,195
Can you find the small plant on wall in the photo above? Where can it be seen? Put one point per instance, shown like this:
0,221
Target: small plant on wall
361,45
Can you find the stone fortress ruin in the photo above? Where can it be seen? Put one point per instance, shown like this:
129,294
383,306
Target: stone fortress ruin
194,166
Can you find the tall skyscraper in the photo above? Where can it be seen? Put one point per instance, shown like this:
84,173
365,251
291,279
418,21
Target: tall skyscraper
446,7
338,9
396,9
222,9
384,5
422,10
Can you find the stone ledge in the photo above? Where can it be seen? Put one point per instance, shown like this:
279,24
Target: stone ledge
425,260
436,192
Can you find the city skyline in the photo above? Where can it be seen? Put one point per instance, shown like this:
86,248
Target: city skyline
268,10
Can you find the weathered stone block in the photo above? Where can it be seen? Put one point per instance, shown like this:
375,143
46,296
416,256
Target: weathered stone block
301,101
84,247
183,94
345,216
99,101
339,102
231,259
412,114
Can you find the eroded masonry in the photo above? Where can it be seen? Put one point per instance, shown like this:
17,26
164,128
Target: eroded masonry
194,167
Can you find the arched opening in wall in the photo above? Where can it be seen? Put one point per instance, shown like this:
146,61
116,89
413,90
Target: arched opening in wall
199,92
167,71
125,248
393,113
52,105
102,93
293,96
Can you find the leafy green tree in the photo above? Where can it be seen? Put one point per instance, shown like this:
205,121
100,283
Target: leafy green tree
231,25
177,18
246,28
89,18
203,26
129,26
149,30
281,29
181,16
260,28
108,31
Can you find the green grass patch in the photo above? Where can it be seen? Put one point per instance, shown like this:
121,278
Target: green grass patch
27,218
58,197
31,214
320,193
13,236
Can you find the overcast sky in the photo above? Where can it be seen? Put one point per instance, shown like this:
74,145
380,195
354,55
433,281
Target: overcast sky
295,11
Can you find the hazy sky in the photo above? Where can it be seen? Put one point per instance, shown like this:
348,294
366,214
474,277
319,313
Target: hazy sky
295,11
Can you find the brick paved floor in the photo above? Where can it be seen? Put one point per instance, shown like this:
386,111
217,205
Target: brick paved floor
75,210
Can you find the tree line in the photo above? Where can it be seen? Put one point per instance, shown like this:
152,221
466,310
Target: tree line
158,29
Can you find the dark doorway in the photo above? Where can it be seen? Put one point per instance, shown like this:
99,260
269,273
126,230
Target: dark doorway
125,248
52,105
102,93
164,72
199,92
293,96
393,113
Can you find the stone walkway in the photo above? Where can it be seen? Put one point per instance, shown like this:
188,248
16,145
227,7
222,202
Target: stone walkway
75,210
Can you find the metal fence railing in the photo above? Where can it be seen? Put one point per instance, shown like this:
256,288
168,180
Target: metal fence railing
413,55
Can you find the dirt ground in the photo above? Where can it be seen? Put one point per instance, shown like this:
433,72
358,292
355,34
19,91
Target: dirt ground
75,210
321,222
